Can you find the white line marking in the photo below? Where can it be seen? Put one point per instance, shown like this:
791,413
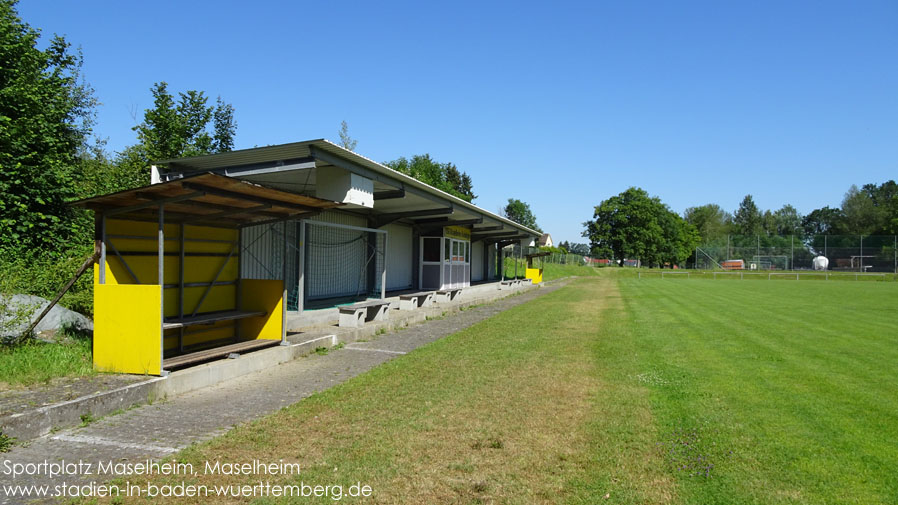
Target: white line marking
332,337
373,350
85,439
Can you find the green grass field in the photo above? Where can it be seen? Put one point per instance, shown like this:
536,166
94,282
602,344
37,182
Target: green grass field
33,362
617,390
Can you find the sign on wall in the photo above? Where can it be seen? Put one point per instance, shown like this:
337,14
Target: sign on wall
457,232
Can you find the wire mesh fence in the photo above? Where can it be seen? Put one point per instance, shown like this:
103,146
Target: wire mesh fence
344,261
847,253
514,260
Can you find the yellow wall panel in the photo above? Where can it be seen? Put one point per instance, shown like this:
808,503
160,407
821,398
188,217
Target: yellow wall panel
536,274
265,295
127,329
198,335
219,298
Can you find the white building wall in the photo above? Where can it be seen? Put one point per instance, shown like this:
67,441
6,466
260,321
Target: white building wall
399,256
476,261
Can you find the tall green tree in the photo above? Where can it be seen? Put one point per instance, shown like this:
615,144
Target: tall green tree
823,221
46,115
787,221
520,213
443,176
747,218
711,220
186,127
633,225
860,216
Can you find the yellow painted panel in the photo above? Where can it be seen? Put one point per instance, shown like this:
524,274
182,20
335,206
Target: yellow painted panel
536,274
200,334
267,295
209,233
219,298
127,329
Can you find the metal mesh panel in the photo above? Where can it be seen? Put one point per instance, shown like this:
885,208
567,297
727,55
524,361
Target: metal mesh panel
344,261
850,253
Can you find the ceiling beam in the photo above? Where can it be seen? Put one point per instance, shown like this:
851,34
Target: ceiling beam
217,206
481,236
153,202
445,221
380,220
231,212
389,195
488,228
249,198
291,217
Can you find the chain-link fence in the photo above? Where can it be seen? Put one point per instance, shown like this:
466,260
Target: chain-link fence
849,253
514,260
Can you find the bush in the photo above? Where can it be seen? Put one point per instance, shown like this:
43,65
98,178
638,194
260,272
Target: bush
45,275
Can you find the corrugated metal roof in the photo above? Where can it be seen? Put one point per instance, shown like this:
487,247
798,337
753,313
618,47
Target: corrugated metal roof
299,150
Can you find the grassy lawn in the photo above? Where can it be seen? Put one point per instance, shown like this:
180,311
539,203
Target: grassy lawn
33,362
615,390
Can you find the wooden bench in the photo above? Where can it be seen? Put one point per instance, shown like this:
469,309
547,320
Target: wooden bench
412,301
209,318
217,352
447,295
353,316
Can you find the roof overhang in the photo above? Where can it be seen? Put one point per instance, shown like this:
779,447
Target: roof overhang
397,195
207,199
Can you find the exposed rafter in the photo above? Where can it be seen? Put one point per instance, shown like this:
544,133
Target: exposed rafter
379,220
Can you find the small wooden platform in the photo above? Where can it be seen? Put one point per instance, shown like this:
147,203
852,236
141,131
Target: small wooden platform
209,318
217,352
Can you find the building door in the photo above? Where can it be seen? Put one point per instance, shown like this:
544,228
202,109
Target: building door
459,264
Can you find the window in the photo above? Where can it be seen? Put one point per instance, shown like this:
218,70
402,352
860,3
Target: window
431,249
448,255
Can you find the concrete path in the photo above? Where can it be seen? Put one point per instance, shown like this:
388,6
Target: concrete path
159,430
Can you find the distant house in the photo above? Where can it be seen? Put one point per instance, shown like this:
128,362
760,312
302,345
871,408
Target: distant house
545,240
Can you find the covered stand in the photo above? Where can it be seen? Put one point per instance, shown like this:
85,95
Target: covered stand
535,269
168,290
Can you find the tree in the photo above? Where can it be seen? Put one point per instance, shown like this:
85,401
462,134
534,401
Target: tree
860,215
225,127
712,222
787,221
633,225
443,176
822,221
885,201
578,249
345,140
520,213
175,129
46,115
747,219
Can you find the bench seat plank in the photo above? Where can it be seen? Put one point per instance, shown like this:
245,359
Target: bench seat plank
210,318
217,352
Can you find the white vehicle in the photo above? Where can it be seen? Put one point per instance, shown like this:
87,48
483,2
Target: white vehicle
821,263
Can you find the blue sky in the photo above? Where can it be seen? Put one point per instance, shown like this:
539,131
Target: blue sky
560,104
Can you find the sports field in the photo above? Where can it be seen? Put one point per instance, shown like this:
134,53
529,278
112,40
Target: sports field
615,390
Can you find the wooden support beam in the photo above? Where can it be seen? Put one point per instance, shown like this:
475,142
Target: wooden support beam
152,203
248,198
230,212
